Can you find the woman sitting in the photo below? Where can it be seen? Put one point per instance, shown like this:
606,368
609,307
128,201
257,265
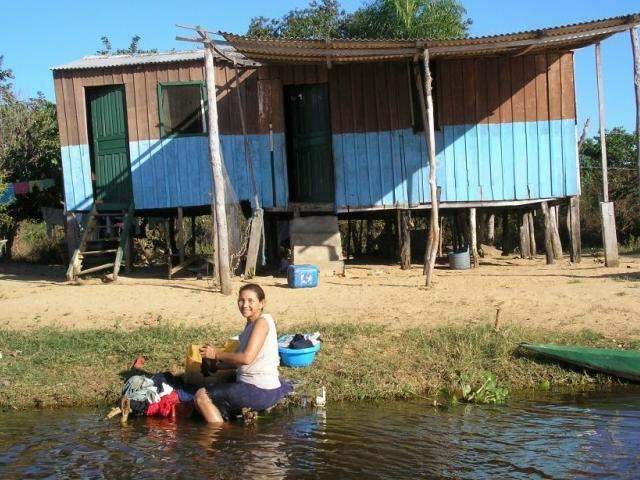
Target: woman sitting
257,384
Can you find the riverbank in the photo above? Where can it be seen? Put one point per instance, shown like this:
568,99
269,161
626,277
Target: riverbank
50,367
564,297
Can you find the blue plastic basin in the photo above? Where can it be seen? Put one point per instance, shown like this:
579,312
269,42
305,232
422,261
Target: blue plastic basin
301,357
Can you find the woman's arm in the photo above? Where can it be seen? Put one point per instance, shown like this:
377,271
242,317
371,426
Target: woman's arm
254,345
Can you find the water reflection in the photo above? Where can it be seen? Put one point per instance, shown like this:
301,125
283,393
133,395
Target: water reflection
561,437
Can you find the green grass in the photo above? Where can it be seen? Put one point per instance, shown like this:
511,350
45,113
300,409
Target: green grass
48,367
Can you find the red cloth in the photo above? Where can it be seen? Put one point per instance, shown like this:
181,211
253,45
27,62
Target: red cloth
21,188
164,408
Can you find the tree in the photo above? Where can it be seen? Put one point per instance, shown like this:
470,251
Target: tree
432,19
436,19
29,150
623,191
134,47
321,19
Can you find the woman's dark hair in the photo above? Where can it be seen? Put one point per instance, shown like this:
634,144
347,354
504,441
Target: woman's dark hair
257,289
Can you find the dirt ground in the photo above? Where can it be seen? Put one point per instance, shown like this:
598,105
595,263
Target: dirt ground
561,296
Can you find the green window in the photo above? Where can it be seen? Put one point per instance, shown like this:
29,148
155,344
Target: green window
182,108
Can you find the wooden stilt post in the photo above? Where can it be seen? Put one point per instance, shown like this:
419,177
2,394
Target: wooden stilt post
193,235
405,240
555,233
548,242
473,227
532,235
507,246
609,236
426,107
635,45
216,172
167,238
441,240
180,239
525,243
574,231
491,228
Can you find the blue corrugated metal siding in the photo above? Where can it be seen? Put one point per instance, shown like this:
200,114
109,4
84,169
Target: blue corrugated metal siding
176,172
76,167
475,162
520,160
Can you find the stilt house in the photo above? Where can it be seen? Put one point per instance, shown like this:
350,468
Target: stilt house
333,126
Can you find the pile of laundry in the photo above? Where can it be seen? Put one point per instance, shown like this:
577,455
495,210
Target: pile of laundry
156,395
299,340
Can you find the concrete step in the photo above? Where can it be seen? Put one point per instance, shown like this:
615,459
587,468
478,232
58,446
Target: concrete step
316,240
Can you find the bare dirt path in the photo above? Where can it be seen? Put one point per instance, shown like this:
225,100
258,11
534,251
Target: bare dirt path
562,296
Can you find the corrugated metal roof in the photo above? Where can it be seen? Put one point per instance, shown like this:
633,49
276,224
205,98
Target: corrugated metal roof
106,61
359,50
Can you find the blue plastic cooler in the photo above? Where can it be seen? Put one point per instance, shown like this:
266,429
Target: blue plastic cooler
302,276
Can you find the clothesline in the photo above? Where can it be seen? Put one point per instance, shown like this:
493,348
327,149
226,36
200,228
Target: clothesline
23,188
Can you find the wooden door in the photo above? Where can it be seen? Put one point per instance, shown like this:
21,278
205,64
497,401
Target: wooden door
109,147
308,131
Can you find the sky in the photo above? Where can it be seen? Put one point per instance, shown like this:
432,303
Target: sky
39,34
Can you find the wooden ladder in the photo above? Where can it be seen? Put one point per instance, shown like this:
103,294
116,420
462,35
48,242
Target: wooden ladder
100,246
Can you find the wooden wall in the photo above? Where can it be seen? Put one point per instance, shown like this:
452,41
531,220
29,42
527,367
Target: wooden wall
506,131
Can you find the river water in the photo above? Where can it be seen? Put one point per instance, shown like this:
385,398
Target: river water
594,435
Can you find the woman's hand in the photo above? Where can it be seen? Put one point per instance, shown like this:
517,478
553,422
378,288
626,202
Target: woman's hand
207,351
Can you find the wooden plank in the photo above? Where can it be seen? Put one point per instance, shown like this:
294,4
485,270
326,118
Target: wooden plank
142,119
334,100
310,74
81,113
195,72
519,128
505,91
371,138
382,96
60,109
493,91
250,87
480,88
447,93
130,99
277,105
323,74
531,125
609,236
555,87
403,80
172,73
384,137
517,89
70,108
151,82
235,125
469,86
392,86
184,75
482,117
225,100
264,104
359,136
457,91
299,74
568,101
555,127
264,73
